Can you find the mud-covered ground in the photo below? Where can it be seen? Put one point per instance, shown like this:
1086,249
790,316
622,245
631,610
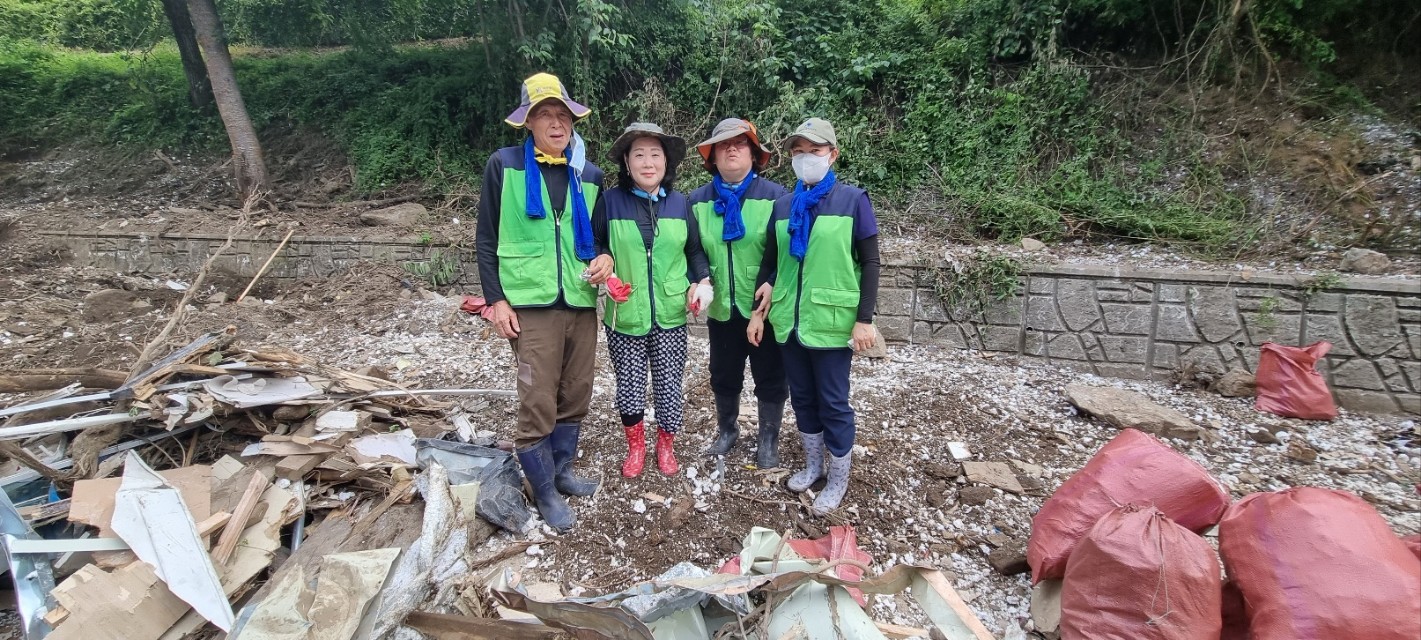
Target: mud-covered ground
905,500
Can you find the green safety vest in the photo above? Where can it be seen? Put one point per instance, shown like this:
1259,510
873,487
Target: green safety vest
657,274
819,298
735,265
537,258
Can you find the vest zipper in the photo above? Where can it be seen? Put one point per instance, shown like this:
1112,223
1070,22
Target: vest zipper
557,250
650,278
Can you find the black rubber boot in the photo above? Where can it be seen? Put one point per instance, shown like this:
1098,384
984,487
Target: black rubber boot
537,463
564,443
767,456
727,411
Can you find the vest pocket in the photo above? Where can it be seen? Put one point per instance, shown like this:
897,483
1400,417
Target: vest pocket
518,266
839,307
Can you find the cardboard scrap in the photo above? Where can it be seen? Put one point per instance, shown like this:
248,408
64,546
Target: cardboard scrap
347,584
150,516
128,604
996,474
93,500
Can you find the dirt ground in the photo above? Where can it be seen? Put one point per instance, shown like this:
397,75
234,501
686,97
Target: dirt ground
906,498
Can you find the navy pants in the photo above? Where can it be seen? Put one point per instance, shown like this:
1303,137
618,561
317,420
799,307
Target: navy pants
728,350
819,392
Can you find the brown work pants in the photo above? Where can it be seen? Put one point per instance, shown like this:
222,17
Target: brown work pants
556,352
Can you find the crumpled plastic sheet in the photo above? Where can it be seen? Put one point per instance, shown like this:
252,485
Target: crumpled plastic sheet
501,500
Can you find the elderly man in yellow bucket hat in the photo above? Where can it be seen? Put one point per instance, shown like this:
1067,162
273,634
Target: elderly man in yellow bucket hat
539,269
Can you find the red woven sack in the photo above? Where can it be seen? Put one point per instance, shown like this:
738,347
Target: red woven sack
1414,544
1139,576
1235,616
1290,385
1319,564
1132,468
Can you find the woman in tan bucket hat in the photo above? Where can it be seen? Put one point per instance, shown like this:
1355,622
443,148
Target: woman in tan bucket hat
645,227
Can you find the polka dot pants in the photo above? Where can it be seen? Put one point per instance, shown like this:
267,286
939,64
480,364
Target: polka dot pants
664,350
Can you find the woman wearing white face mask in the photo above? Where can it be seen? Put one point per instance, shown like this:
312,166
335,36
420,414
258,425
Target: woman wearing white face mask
646,228
818,288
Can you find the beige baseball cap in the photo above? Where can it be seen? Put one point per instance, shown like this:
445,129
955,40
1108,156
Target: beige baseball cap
816,130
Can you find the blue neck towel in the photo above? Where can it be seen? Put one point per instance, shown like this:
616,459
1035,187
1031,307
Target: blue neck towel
799,218
727,205
533,196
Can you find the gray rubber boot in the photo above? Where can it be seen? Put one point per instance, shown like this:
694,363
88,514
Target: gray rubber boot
833,493
813,460
727,411
767,456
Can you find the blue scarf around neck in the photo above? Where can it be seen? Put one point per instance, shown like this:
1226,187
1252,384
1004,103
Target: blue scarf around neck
727,204
799,218
533,196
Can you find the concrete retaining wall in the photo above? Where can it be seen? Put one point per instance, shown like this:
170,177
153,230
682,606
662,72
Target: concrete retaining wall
1128,323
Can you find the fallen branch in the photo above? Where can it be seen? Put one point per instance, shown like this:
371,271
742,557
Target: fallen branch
21,455
359,203
151,351
266,264
46,379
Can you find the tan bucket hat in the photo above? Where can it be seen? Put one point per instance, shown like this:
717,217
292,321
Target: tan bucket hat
730,128
675,146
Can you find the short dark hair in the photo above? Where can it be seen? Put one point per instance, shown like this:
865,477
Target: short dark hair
624,177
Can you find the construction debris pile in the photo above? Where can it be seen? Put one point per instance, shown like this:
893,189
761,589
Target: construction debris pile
299,500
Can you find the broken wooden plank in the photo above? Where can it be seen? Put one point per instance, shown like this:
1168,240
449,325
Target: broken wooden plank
213,523
900,632
946,608
46,379
233,531
402,491
442,626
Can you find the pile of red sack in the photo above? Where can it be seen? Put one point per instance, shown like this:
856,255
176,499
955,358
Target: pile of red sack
1302,564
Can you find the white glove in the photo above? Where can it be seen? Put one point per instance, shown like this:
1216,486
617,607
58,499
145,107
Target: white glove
703,297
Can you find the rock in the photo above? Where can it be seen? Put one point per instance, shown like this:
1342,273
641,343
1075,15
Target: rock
935,497
1263,436
975,496
217,298
183,211
996,474
400,215
1301,452
879,348
998,539
1237,383
959,451
1129,409
1046,605
1032,244
106,305
1359,260
1027,469
1009,559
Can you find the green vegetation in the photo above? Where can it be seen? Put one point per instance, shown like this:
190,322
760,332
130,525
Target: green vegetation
967,287
442,269
995,118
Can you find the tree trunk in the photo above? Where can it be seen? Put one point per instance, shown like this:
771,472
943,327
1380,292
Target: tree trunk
247,162
199,88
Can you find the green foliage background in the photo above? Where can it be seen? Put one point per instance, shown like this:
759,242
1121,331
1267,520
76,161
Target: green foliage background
998,113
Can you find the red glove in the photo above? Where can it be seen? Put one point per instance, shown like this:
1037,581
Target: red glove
618,290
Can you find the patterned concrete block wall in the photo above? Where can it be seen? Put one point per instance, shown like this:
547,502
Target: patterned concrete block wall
1137,324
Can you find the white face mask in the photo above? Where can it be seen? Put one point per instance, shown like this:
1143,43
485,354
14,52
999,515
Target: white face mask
810,168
